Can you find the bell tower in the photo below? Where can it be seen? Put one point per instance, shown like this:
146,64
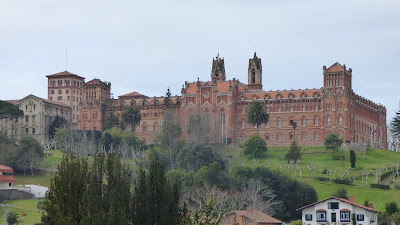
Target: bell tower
218,69
255,73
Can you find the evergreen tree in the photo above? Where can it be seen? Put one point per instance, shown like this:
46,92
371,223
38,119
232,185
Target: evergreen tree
131,116
333,142
256,114
168,99
57,123
341,192
396,125
255,146
294,153
352,159
111,121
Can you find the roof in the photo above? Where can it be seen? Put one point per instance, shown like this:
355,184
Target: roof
132,94
14,102
63,74
336,67
96,81
256,215
7,179
340,199
6,169
55,103
222,86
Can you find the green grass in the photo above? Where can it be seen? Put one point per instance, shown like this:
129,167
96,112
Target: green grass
24,206
41,178
53,160
369,161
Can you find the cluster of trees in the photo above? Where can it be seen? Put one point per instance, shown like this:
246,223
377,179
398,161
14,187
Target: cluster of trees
24,155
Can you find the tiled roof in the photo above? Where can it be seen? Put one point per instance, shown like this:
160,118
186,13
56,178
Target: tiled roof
6,169
95,82
340,199
64,73
260,217
132,94
222,86
7,179
14,102
55,103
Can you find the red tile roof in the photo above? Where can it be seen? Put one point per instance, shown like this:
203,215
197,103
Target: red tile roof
345,210
63,74
132,94
260,217
14,102
7,179
340,199
6,169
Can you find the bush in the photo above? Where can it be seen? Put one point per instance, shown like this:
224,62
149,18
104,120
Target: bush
12,218
255,146
338,181
380,186
322,178
338,157
341,192
391,208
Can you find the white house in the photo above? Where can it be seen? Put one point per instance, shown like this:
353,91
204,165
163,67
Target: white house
6,180
338,211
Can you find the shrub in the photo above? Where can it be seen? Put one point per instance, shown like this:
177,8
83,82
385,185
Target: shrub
391,208
341,192
338,181
255,146
322,178
380,186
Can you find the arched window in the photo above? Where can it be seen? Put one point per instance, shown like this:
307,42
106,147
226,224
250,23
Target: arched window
316,136
291,137
340,134
279,122
267,137
253,77
290,122
328,120
144,127
303,121
243,124
279,137
223,117
340,120
303,136
155,126
315,121
243,111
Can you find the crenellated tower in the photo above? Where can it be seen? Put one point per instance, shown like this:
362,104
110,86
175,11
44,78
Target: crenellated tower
255,73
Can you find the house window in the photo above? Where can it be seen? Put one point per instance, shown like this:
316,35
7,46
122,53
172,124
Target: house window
321,216
33,131
26,118
345,216
279,137
316,121
33,118
67,92
333,205
16,131
304,108
291,108
308,217
243,124
279,122
144,127
291,137
243,111
59,98
27,130
316,107
303,121
51,98
316,136
279,109
340,120
267,124
340,134
68,98
328,120
267,137
52,92
360,217
304,137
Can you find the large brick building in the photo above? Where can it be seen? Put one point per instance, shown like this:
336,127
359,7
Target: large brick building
333,108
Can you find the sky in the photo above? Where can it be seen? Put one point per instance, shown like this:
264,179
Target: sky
148,46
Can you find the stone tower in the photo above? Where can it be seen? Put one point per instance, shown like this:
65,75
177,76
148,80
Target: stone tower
218,69
337,76
255,73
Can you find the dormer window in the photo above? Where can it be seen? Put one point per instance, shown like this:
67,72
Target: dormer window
333,205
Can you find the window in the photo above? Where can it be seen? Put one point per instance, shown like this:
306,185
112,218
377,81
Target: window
316,107
68,98
279,137
33,118
267,124
27,130
290,121
279,109
328,120
304,137
291,137
267,137
33,131
308,217
345,216
144,127
316,121
67,92
16,131
303,121
340,134
321,216
26,118
243,124
51,98
279,122
360,217
243,111
59,98
291,108
340,120
266,109
59,92
52,92
316,136
333,205
304,108
222,117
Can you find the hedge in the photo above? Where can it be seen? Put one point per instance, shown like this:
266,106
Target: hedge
322,178
380,186
338,181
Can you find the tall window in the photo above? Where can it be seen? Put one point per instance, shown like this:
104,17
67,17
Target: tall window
267,137
321,216
304,137
279,122
316,121
267,124
316,107
328,120
243,124
316,136
291,137
279,137
340,120
144,127
345,216
222,117
303,121
253,77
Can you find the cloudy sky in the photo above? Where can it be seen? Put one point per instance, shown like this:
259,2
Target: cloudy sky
148,46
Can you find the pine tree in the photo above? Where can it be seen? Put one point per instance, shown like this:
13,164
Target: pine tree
352,159
294,153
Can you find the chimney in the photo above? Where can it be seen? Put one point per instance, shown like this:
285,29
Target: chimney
351,198
370,205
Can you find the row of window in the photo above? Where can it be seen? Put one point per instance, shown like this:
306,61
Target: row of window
303,122
344,216
33,130
64,83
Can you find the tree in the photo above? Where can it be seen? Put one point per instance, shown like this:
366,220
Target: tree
333,142
256,114
294,153
199,127
168,99
10,111
170,132
30,154
395,124
57,123
131,116
352,159
111,121
213,174
192,158
12,218
294,125
391,208
341,192
255,146
8,151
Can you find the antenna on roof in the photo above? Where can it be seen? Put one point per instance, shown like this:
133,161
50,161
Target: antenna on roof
66,56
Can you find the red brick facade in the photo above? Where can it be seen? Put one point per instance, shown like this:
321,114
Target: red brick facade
334,108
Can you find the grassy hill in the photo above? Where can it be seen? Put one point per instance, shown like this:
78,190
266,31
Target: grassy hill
370,161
